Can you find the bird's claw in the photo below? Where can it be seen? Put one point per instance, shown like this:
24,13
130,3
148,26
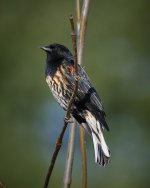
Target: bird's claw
68,120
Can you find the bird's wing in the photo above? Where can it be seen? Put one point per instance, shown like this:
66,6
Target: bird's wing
89,99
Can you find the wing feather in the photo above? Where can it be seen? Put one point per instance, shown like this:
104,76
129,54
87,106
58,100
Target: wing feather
88,98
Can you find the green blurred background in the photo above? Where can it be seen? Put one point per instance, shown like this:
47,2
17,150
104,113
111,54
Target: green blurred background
117,59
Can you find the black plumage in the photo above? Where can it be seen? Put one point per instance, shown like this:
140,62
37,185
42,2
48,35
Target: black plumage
87,108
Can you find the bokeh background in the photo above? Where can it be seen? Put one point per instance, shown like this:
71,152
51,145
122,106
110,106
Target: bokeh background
117,59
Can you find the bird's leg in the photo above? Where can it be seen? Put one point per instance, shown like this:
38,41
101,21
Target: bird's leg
68,120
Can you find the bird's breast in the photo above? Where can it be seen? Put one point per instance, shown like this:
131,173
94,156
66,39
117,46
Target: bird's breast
60,87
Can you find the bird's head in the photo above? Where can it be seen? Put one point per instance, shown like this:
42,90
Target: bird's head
56,52
57,56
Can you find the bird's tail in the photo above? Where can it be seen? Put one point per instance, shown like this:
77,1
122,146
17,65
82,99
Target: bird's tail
102,153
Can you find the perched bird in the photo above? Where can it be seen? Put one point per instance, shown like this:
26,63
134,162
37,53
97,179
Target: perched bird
87,108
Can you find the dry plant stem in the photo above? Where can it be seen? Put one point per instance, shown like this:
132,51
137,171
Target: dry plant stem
54,156
83,24
84,161
78,23
2,185
74,42
73,35
81,40
78,17
69,161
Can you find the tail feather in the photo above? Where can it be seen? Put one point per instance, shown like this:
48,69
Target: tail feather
102,153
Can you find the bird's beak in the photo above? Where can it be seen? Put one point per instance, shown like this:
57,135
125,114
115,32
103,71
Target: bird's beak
45,48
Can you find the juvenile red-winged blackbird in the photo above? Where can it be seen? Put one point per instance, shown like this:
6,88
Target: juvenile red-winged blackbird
87,108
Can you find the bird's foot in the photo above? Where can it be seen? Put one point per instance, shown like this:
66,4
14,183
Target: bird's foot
68,120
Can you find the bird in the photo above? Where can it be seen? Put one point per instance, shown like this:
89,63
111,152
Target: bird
87,108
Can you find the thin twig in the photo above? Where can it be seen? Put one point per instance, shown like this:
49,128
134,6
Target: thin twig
67,117
84,161
70,154
74,42
2,184
69,161
78,17
85,9
82,137
54,156
81,41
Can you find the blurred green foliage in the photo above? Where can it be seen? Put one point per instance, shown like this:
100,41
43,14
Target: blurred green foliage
117,59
